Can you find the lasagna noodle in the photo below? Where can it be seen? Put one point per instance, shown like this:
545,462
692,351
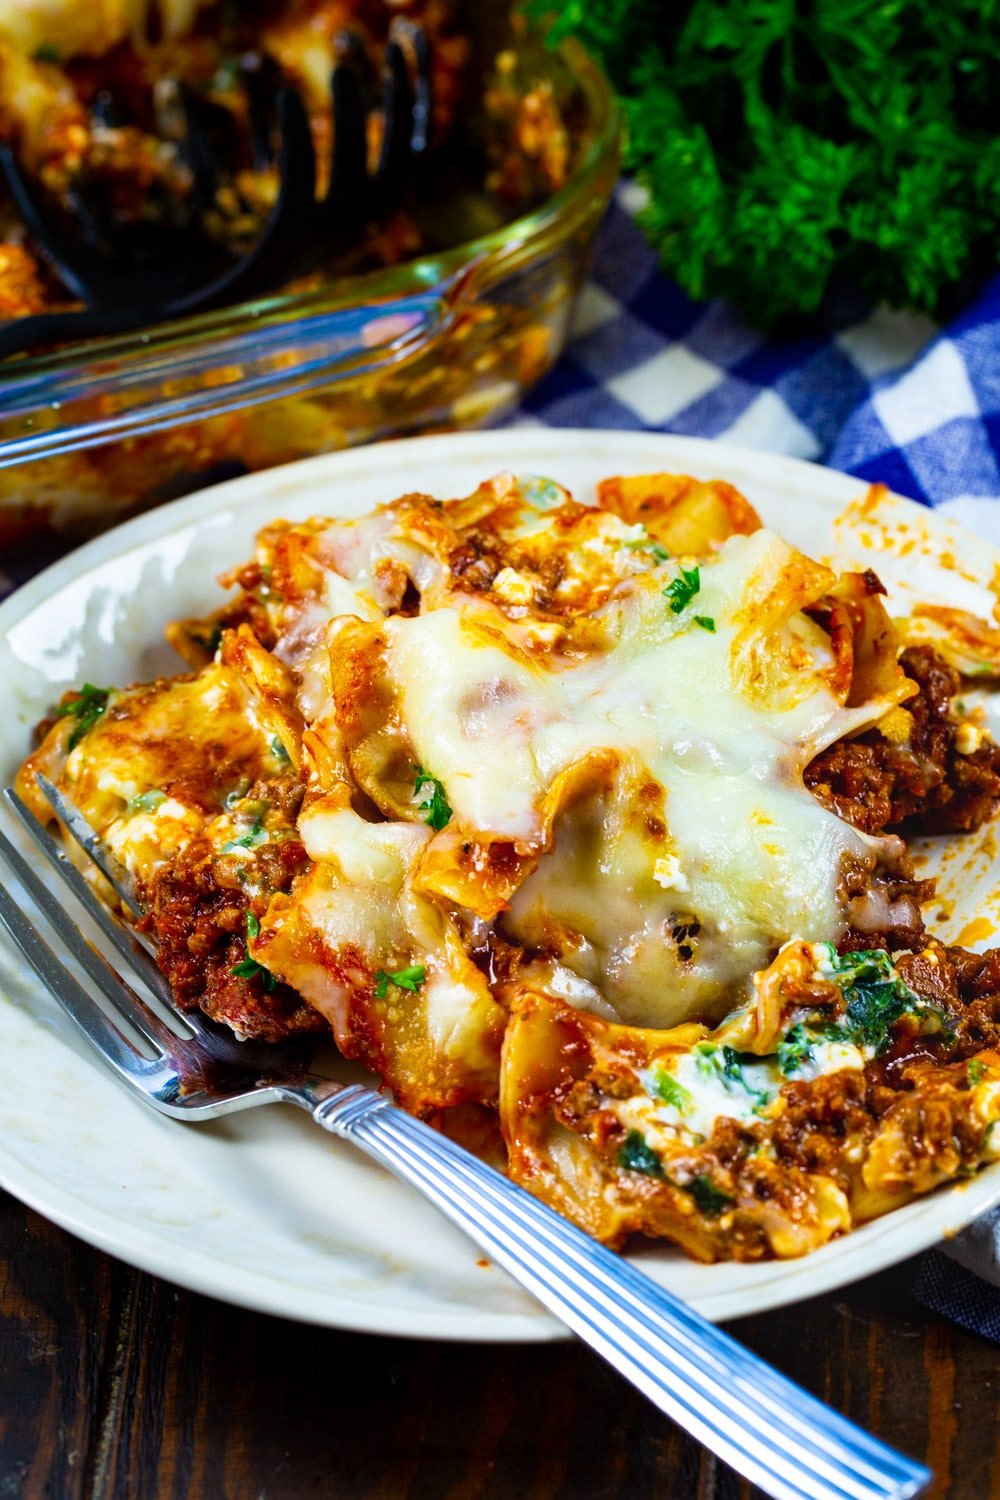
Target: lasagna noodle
355,914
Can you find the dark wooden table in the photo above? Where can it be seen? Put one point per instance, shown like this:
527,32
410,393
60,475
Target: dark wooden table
113,1384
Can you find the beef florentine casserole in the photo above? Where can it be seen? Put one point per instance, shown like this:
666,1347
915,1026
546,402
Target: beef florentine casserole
94,102
585,827
436,312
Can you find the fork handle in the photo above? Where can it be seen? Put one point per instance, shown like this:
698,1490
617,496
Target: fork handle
768,1429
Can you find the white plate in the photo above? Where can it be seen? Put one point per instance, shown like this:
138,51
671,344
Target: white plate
263,1209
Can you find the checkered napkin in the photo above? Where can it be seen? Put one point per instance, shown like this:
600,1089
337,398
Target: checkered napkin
885,395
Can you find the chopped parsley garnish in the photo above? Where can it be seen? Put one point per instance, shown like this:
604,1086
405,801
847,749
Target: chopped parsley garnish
86,708
410,979
257,835
682,589
147,801
636,1156
434,804
249,968
647,544
279,752
672,1092
706,622
710,1200
539,491
47,52
976,1070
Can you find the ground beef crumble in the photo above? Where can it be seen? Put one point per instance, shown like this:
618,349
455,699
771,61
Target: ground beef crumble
923,785
197,915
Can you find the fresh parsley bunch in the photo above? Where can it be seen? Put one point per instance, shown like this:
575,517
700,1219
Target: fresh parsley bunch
783,142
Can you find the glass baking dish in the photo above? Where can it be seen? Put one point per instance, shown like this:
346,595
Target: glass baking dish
97,431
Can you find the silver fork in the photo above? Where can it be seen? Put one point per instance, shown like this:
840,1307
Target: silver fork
770,1430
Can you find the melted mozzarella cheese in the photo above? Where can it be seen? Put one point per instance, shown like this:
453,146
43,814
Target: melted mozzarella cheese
475,715
750,857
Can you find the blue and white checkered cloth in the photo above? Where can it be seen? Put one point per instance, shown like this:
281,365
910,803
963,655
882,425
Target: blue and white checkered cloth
888,396
885,395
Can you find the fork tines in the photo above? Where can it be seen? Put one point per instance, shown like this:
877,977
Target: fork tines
187,1046
111,1028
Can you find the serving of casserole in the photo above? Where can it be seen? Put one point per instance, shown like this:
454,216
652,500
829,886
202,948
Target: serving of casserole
587,827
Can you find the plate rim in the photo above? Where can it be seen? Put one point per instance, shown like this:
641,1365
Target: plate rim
211,1275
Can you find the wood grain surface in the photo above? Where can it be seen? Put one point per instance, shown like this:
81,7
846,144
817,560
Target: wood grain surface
114,1384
